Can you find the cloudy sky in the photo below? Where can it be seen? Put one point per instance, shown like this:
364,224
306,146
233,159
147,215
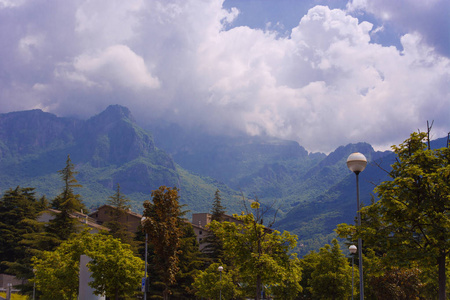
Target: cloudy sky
322,72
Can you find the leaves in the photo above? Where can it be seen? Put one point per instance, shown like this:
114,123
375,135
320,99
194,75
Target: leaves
163,224
260,256
115,271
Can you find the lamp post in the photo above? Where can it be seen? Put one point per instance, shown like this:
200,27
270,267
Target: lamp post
352,250
34,284
357,162
220,268
145,271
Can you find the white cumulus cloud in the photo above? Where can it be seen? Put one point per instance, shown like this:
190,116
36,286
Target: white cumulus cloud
324,84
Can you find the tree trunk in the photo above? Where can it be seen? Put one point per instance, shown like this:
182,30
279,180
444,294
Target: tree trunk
166,293
442,278
258,287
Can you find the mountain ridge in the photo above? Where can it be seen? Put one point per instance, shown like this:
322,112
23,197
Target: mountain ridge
313,192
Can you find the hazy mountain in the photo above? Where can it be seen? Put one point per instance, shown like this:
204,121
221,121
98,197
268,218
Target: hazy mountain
107,149
311,192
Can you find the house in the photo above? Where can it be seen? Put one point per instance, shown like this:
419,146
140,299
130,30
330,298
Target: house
199,222
85,220
105,213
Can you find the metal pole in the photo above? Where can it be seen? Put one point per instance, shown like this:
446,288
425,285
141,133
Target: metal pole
145,271
352,273
361,280
220,291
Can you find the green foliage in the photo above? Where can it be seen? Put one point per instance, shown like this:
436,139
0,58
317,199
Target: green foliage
117,224
18,212
260,256
328,274
210,283
410,223
213,245
63,225
163,224
191,261
115,271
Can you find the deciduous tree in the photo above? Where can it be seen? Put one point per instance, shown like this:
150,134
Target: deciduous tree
331,277
115,271
210,283
260,256
412,217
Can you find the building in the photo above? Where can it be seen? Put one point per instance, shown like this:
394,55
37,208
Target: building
105,213
85,220
199,222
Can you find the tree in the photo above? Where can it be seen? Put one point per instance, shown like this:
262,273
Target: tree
118,228
397,284
415,205
68,198
412,216
115,271
213,244
191,261
260,255
19,210
63,225
218,210
163,224
331,274
210,283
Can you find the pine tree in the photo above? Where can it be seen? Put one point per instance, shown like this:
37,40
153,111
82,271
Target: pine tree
118,228
213,245
191,261
19,210
218,210
63,225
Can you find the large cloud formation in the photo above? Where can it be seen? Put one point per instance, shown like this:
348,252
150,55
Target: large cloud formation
325,84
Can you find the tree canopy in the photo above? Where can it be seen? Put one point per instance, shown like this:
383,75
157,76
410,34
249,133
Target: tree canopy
260,256
164,226
410,223
118,228
63,224
116,272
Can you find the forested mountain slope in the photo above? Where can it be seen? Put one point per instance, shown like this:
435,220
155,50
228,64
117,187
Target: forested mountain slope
311,192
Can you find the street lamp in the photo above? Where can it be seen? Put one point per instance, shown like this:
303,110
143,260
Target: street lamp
220,268
34,284
352,250
357,162
145,271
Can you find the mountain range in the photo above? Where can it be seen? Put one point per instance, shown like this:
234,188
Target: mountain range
307,193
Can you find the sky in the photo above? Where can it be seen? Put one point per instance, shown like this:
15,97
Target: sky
324,73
